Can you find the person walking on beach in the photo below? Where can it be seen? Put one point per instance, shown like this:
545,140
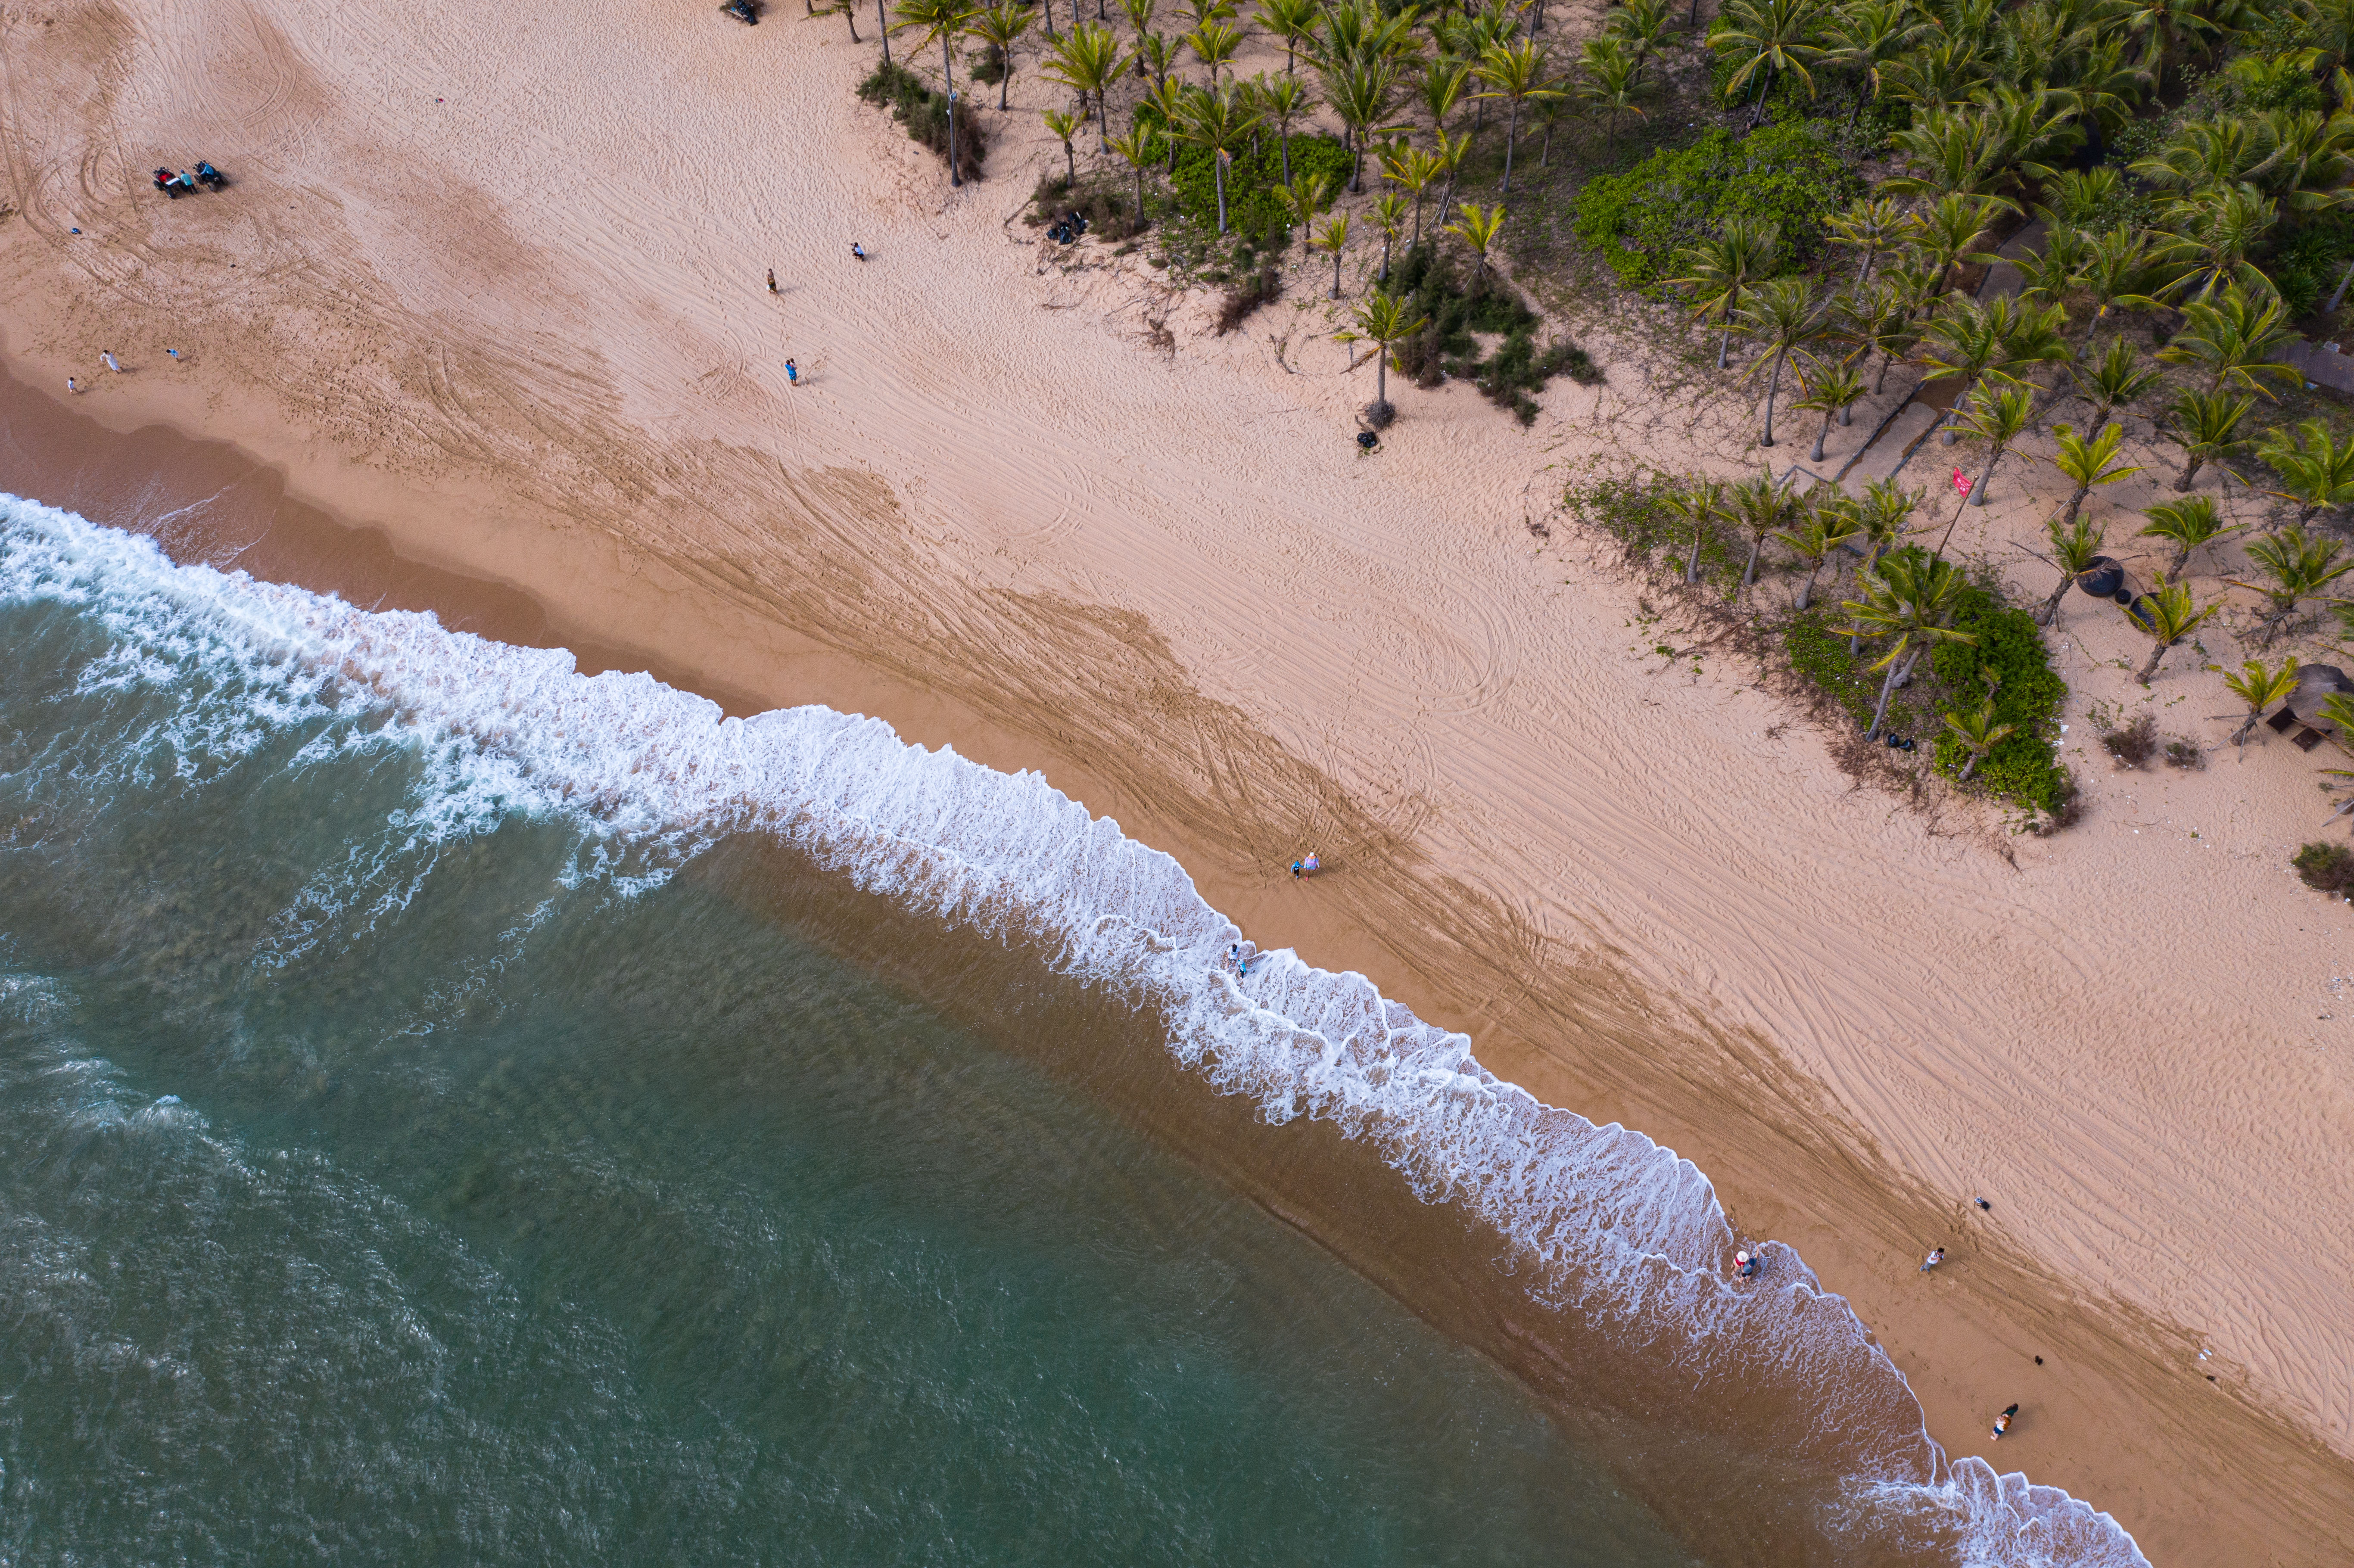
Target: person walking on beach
858,251
175,353
71,386
106,357
792,373
2002,1422
772,280
1936,1255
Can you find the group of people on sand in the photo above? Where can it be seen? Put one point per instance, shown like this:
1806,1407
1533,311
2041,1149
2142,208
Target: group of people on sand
793,371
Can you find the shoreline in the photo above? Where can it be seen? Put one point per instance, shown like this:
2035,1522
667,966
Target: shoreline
998,513
2007,1305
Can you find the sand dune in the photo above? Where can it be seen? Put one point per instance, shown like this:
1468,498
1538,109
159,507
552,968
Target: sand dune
492,279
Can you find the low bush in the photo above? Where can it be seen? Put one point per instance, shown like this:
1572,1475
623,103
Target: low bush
925,114
1105,202
2325,868
1795,175
1256,287
2133,743
2023,768
1455,312
1252,209
2307,266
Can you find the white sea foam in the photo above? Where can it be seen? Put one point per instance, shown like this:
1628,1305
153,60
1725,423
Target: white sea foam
1609,1224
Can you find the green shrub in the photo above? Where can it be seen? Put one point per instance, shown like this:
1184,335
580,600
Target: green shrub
925,114
1454,311
1636,512
1794,174
2024,768
2325,868
1252,209
2307,266
1819,652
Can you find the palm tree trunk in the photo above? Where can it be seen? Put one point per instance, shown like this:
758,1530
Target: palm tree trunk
1385,256
1886,359
2068,518
1971,766
850,15
2149,666
1138,226
1283,144
1749,571
1336,271
1102,122
948,74
1417,213
1807,588
1217,168
1897,675
1512,129
1821,437
1691,562
1773,386
1977,491
2190,473
2050,610
884,22
1004,82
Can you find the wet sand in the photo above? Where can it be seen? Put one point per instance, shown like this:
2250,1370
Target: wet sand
999,514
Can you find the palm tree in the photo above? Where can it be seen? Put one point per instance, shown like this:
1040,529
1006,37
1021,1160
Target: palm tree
1976,733
1164,101
2089,463
2298,568
1832,389
1388,213
1449,152
941,19
1066,123
1215,118
1478,229
1382,319
2210,238
1444,82
1874,226
2119,380
1865,35
1303,198
2168,615
2188,525
1139,17
1997,417
1332,237
1784,313
2116,270
1213,44
1609,84
1952,227
1290,20
1720,268
1414,169
1828,527
1284,100
1088,60
1156,55
2205,427
1908,600
999,26
1761,506
2260,688
1770,36
1699,505
1516,72
1360,93
2315,471
2236,338
1135,148
2074,548
1877,321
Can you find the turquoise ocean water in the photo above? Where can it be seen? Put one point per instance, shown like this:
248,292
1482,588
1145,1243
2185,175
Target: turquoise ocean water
421,1150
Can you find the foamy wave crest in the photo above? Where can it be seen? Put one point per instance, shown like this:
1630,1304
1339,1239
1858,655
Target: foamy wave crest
1609,1224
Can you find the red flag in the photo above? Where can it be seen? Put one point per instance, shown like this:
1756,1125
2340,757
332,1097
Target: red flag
1960,483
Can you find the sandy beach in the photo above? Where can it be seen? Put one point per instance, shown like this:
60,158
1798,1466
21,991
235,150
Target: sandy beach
489,289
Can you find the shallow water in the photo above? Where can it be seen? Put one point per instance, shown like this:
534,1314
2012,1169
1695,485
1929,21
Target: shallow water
401,1173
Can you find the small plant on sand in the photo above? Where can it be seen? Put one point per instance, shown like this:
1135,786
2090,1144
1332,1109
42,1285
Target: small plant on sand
1454,312
2184,754
2325,868
925,114
2133,743
1256,287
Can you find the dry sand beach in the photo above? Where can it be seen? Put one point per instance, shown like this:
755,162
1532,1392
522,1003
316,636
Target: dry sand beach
490,283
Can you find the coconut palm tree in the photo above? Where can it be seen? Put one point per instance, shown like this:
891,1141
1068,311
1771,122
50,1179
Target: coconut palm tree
1332,237
1388,213
1518,72
2188,525
1876,321
1284,101
1065,123
2235,339
2210,238
1155,57
2074,547
999,26
1828,527
1359,91
2260,687
1762,507
1451,152
1830,389
1218,119
1382,320
1785,315
1643,26
2117,272
1088,60
1609,84
1997,417
1768,37
1290,20
1414,169
2168,614
2089,464
941,19
2295,568
1444,82
1213,44
1164,103
1139,17
1307,195
1909,603
2206,426
1700,504
2316,472
1864,36
1873,225
1136,150
2117,380
1976,733
1477,228
1952,227
1719,269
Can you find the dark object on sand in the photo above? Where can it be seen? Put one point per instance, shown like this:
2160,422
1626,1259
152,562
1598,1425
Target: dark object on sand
1367,439
174,185
1068,228
2101,578
211,177
745,11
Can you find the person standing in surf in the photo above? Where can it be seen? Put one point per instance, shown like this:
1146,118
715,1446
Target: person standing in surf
2002,1422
